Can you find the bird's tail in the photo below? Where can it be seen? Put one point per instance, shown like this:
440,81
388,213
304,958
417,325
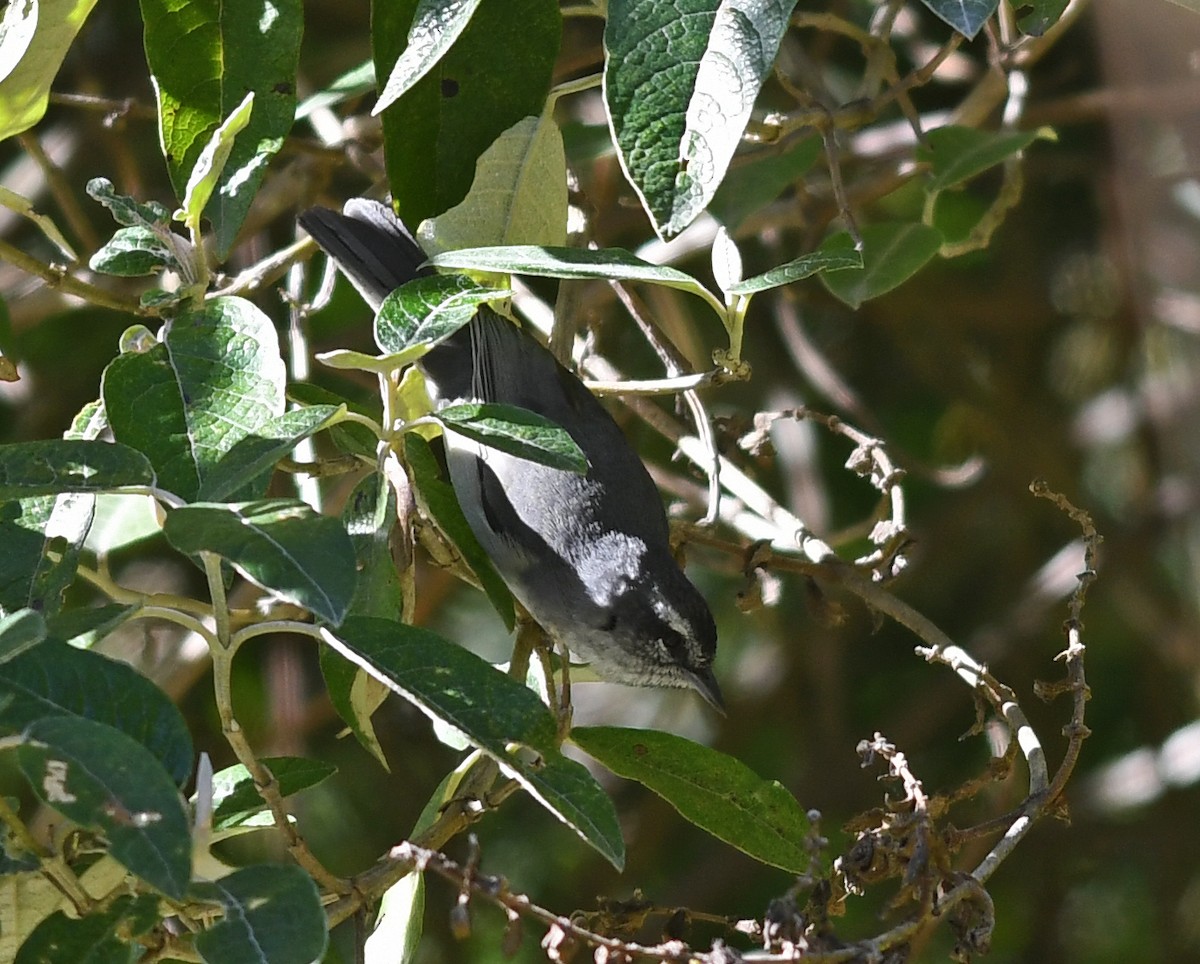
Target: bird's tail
370,244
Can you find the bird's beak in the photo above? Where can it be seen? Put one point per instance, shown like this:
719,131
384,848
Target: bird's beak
705,683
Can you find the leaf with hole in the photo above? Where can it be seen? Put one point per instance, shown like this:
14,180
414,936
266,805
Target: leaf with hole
104,780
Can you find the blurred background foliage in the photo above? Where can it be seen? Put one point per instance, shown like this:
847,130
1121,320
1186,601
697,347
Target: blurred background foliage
1068,349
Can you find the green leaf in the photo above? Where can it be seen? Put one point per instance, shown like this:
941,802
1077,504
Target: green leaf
355,695
205,56
428,310
353,83
965,16
401,917
350,437
272,914
802,267
957,154
103,779
437,497
51,466
215,379
519,195
370,518
436,25
121,520
281,545
133,252
41,538
493,710
435,132
50,537
716,792
554,262
57,680
255,454
748,187
1040,15
516,431
892,253
107,934
680,81
83,627
34,37
210,165
235,797
19,632
124,209
24,207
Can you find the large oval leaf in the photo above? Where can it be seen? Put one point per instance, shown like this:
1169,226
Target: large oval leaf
711,789
51,466
205,56
495,712
103,779
891,254
680,81
273,915
215,379
57,680
497,71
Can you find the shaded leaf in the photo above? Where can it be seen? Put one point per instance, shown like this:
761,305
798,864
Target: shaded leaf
438,498
234,795
51,466
281,545
107,934
125,210
251,46
965,16
103,779
493,710
436,131
57,680
516,431
748,187
257,453
957,154
1039,16
892,253
272,914
519,195
84,626
716,792
19,632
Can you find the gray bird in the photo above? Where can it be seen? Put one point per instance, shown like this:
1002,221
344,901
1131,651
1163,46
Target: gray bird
587,555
